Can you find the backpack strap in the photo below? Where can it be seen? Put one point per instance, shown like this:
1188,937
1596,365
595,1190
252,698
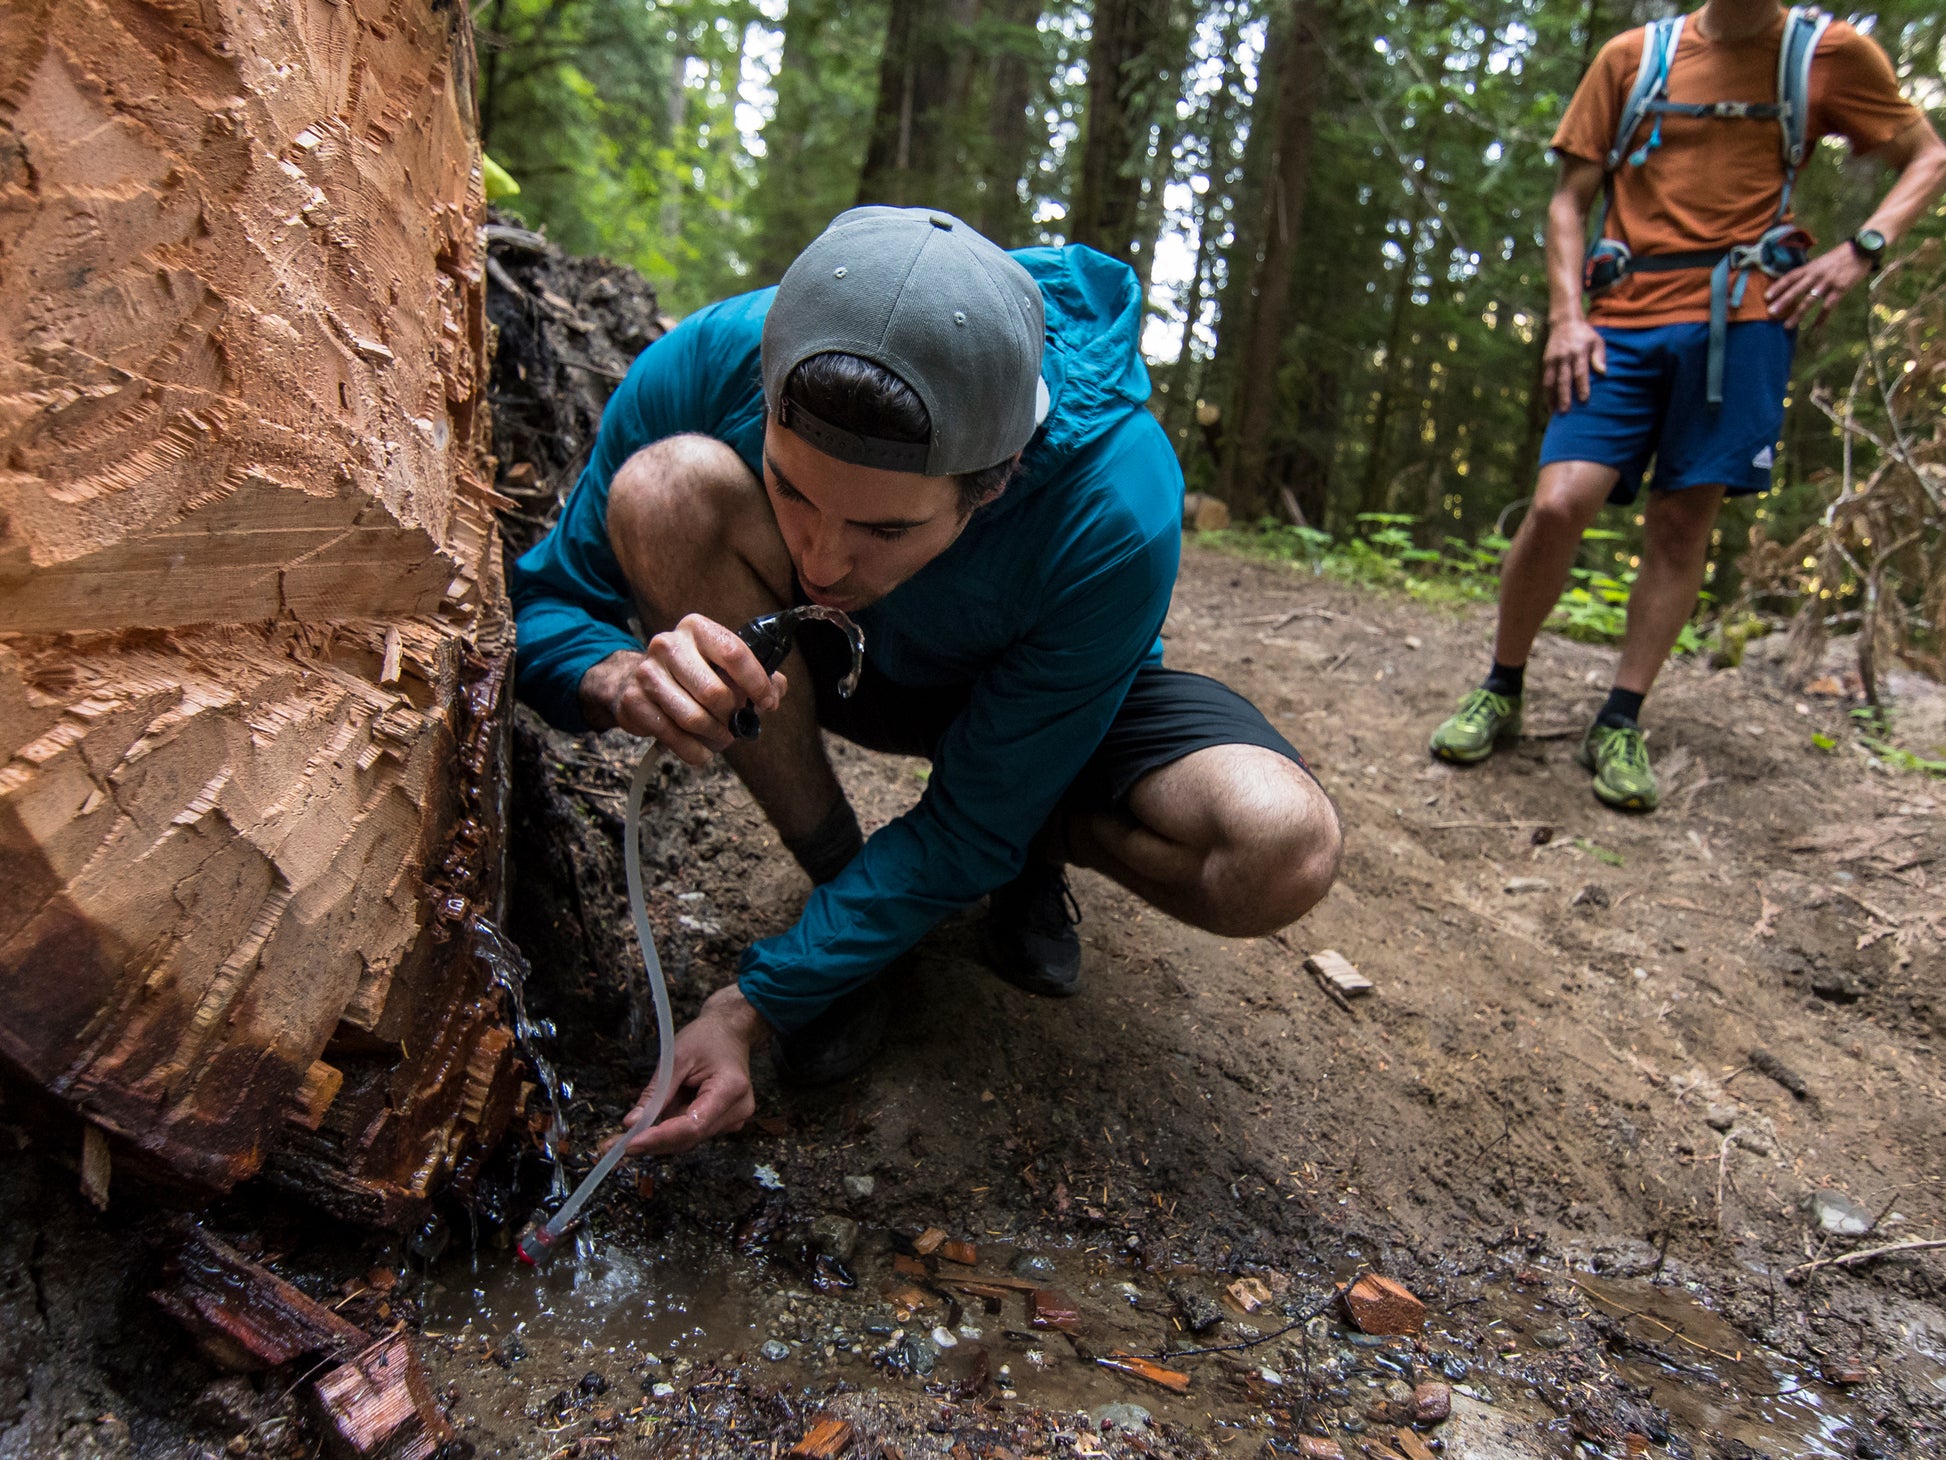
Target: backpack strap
1803,29
1660,38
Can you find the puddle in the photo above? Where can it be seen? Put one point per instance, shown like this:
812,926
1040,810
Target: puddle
908,1327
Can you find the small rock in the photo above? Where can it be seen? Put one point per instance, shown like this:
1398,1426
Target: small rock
1378,1305
1270,1375
766,1176
1454,1367
1199,1310
1526,884
1398,1392
511,1352
593,1383
1431,1403
1837,1213
1720,1117
1592,894
227,1404
776,1350
835,1235
1552,1338
1121,1416
663,1391
1034,1267
920,1355
943,1337
858,1188
1352,1423
1755,1142
1836,988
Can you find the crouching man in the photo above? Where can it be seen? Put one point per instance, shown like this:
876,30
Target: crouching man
948,443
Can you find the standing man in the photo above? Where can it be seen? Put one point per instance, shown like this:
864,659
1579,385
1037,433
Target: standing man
948,443
1701,282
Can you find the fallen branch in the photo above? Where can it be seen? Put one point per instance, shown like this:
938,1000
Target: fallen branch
1865,1254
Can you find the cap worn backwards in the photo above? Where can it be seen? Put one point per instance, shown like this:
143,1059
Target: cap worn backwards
946,310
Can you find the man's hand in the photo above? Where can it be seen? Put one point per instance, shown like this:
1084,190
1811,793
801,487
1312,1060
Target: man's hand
684,689
1803,296
1575,353
711,1092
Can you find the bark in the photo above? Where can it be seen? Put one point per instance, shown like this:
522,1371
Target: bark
1241,480
924,79
1011,132
254,635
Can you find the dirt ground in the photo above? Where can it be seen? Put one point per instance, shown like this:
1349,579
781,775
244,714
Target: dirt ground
1608,1064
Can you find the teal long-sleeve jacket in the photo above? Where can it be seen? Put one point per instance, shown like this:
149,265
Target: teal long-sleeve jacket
1045,606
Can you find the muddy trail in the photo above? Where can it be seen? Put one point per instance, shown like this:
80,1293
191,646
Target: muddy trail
1619,1081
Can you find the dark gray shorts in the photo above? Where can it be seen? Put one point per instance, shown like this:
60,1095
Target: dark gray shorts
1168,714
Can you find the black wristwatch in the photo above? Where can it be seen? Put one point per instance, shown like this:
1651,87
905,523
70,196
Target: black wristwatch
1869,245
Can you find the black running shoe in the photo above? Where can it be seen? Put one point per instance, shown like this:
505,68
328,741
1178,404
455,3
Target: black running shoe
1029,932
839,1042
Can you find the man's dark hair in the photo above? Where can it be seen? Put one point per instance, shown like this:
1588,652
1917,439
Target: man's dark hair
863,397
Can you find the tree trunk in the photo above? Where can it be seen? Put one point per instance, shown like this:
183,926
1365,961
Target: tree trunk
254,638
1001,214
1134,55
1241,478
924,78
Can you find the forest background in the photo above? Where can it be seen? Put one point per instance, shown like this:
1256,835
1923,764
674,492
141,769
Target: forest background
1338,209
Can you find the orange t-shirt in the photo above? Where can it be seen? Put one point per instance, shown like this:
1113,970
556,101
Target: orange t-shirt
1713,183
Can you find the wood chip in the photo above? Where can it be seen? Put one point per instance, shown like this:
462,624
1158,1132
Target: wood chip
1173,1380
1048,1308
912,1267
1336,971
1412,1446
94,1166
379,1404
825,1440
964,1253
1248,1293
909,1298
927,1242
1312,1447
986,1290
1379,1305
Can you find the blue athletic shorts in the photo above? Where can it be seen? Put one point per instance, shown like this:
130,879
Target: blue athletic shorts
1651,404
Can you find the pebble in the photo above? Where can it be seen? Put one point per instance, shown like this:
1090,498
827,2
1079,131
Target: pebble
1270,1376
859,1187
1121,1416
663,1391
1526,884
1454,1367
1837,1213
776,1350
835,1235
1553,1338
1720,1117
1199,1310
1431,1404
920,1355
943,1337
1035,1268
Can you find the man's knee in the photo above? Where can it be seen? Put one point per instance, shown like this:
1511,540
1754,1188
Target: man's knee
1281,845
682,498
1677,525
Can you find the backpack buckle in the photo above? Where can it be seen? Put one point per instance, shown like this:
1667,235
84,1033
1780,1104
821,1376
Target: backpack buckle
1606,265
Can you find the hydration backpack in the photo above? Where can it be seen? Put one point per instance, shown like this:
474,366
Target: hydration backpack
1782,247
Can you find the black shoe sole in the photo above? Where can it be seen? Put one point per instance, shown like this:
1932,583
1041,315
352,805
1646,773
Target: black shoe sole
838,1043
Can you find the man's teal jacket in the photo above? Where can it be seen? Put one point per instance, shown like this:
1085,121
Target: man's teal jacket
1045,605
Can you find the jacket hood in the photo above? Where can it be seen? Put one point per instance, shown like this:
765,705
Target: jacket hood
1093,360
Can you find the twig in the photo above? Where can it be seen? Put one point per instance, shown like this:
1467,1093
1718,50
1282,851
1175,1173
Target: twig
1481,825
1878,912
1323,1305
1865,1254
1723,1170
1669,1328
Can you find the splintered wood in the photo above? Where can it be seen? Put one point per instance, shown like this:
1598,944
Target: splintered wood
377,1405
252,631
1335,971
1173,1380
825,1440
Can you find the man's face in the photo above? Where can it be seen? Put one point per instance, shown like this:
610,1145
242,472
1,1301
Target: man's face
854,532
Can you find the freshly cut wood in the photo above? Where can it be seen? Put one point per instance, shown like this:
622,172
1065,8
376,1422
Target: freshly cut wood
243,1316
1204,513
1334,970
825,1440
377,1405
1174,1380
1378,1305
253,642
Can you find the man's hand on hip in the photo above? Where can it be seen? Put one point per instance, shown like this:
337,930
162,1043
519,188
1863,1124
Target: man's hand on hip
1575,354
683,690
1802,296
711,1092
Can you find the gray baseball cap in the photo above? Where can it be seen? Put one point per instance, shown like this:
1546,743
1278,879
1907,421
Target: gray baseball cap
946,310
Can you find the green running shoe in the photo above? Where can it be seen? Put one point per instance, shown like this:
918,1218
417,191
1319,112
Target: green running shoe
1619,757
1482,721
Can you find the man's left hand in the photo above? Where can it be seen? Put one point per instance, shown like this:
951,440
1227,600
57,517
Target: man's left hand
1803,296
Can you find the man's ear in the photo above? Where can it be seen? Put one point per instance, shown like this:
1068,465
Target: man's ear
1013,465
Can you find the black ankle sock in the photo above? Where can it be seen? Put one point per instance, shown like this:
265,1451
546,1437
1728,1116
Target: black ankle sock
825,850
1622,710
1506,679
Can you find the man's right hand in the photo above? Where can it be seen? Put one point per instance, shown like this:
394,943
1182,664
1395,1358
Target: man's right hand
683,690
1575,354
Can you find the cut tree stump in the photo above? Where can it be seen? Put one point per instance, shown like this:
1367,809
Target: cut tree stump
253,637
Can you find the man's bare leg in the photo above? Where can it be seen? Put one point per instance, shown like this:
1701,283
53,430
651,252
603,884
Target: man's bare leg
1235,839
1675,555
1567,499
693,532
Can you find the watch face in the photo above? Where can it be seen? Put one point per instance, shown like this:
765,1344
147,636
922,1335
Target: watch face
1871,240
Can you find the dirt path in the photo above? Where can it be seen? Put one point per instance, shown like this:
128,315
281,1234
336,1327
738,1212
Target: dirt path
1559,1119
